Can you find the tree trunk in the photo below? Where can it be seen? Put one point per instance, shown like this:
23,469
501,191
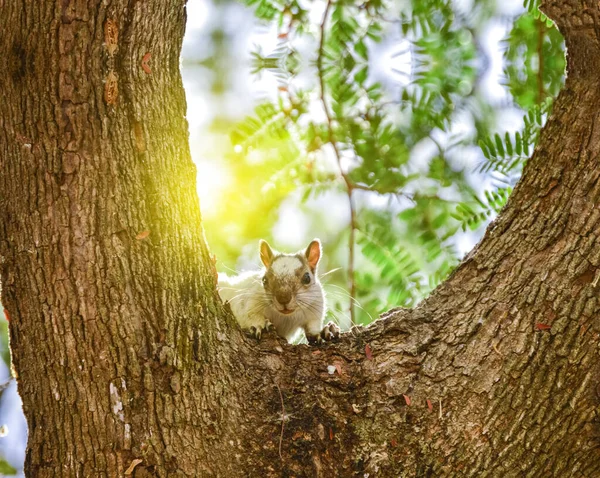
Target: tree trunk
125,353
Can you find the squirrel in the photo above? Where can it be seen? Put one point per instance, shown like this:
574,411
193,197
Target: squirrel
285,295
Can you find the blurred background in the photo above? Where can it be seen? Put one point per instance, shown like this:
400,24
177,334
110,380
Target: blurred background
394,131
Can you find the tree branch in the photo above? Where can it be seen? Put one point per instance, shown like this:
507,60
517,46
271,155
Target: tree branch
338,157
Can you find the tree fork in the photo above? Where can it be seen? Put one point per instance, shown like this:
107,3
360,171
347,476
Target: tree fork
125,353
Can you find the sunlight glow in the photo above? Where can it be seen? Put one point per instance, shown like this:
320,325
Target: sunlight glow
198,12
212,181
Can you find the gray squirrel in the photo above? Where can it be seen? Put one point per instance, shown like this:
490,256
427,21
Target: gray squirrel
286,295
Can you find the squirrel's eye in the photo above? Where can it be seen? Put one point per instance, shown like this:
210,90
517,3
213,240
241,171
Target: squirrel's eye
306,278
264,280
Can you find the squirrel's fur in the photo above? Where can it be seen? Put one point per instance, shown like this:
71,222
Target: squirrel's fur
286,294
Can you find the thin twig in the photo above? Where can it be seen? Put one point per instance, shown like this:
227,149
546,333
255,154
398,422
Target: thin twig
338,157
351,256
399,194
282,420
5,385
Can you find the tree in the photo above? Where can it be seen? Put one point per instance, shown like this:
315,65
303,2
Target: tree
124,352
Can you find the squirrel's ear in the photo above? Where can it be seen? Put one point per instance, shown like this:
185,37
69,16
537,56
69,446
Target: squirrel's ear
266,253
313,254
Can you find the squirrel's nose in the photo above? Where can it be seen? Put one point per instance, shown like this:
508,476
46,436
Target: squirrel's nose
284,298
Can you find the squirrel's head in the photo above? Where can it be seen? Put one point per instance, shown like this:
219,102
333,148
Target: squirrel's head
290,280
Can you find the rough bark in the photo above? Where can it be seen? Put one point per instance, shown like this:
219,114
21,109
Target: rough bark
105,273
125,353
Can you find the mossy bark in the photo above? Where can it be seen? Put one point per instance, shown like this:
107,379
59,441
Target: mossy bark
124,352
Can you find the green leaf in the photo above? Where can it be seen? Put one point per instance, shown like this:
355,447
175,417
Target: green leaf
518,143
361,49
508,144
499,144
361,75
6,468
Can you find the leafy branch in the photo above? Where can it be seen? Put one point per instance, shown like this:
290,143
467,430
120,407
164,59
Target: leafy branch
333,142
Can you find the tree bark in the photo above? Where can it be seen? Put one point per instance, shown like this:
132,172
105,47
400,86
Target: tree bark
124,351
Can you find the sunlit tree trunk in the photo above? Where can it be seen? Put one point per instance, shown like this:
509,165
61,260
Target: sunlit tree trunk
105,273
126,358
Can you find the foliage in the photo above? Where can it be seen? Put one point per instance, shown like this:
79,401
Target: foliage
6,468
423,161
534,68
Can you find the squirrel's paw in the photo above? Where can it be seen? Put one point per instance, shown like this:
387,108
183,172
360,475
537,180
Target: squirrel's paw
257,331
331,331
